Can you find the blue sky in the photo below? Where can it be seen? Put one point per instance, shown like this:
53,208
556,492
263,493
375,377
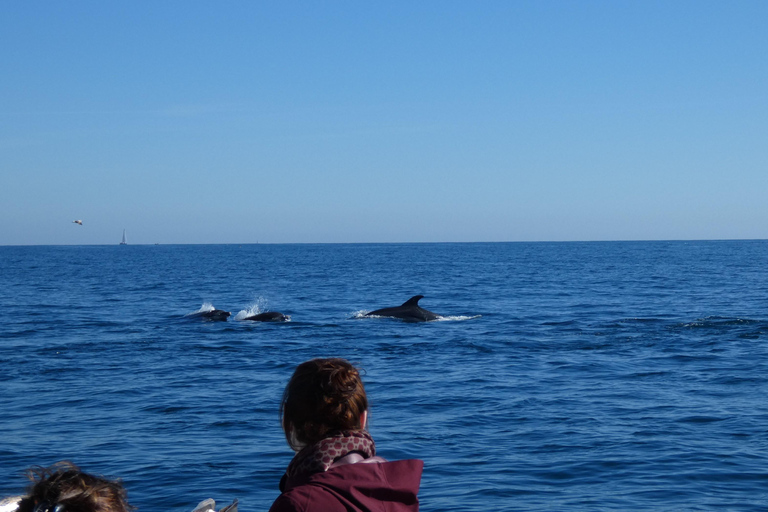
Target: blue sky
271,122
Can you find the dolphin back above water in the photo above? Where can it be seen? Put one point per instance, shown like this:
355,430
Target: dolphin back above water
215,315
408,311
269,316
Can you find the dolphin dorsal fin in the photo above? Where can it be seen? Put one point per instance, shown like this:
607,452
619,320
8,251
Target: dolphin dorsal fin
413,301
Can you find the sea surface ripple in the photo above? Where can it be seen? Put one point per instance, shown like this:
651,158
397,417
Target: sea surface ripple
603,376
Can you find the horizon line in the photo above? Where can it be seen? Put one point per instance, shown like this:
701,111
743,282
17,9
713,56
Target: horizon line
409,243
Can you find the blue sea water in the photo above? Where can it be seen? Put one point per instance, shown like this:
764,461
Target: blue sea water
569,376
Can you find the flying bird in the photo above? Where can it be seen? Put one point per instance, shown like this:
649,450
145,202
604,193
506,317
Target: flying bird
77,222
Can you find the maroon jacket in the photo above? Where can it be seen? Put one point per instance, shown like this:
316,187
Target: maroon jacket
380,486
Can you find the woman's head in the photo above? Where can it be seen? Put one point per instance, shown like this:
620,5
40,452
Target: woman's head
322,396
65,485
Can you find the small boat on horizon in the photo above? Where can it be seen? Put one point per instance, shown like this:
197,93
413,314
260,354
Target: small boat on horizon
123,242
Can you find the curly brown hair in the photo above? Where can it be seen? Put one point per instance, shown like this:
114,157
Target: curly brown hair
323,395
64,484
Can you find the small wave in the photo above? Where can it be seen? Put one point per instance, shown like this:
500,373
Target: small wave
700,419
639,320
563,323
361,314
718,321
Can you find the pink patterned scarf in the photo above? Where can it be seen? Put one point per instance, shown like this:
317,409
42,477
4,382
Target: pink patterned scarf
320,456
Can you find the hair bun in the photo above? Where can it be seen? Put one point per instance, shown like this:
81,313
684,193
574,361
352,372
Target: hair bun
322,395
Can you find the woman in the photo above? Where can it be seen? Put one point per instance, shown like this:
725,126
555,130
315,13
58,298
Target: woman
64,488
324,413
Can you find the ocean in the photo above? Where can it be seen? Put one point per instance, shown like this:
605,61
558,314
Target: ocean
600,376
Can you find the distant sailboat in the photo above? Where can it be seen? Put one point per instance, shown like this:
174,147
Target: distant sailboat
123,242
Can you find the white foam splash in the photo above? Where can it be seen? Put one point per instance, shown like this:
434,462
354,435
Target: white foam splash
363,313
206,307
458,318
260,306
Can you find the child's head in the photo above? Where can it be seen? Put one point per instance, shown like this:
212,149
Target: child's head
64,488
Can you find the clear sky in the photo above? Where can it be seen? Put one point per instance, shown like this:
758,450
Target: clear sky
394,121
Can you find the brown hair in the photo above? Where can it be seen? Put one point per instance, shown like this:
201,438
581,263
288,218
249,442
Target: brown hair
64,484
322,396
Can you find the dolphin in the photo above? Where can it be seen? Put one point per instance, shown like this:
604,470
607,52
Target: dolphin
269,316
214,315
409,311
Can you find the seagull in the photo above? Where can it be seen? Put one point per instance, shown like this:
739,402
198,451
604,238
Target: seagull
77,222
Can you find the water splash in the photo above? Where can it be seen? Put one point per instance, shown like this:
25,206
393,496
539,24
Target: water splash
363,313
456,318
260,306
206,307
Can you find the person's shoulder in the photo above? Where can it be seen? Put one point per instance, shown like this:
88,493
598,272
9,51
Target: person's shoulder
304,498
404,466
284,503
404,475
392,471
